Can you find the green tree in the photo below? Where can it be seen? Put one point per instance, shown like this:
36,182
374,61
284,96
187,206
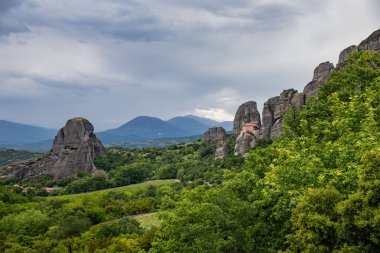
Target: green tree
31,222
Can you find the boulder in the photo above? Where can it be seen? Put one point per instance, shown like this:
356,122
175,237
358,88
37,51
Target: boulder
74,150
246,113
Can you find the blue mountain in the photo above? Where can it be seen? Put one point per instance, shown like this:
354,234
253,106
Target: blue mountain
189,125
12,133
140,128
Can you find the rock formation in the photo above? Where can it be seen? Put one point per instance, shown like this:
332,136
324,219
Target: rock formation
244,142
246,113
371,43
345,54
222,148
247,138
74,150
288,99
214,134
321,73
268,117
275,108
218,136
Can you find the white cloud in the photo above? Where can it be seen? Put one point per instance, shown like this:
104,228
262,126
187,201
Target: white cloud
217,114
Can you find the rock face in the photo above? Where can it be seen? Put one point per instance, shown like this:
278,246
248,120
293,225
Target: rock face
246,137
74,150
268,117
345,54
246,113
222,149
288,99
320,76
214,134
244,142
218,136
275,108
371,43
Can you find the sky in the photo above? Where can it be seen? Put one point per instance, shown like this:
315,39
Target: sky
113,60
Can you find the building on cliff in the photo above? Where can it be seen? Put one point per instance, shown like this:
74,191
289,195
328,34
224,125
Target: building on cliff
275,108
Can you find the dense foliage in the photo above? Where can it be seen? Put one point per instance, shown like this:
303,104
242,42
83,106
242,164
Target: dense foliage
316,189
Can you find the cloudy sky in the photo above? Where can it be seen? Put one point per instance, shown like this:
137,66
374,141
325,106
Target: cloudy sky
113,60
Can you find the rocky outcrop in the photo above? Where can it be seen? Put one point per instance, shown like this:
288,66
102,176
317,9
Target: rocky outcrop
74,150
246,138
275,108
222,149
218,136
321,74
345,54
288,99
268,117
244,142
371,43
246,113
214,134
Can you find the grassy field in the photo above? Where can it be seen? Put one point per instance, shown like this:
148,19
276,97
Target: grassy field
148,220
129,189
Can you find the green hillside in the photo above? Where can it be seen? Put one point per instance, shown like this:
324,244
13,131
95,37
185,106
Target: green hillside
130,189
316,189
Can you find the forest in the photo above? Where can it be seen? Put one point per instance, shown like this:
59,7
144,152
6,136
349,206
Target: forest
314,189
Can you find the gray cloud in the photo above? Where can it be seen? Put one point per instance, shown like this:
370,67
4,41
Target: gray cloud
6,5
113,60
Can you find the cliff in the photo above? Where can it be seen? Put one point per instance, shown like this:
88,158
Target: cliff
274,108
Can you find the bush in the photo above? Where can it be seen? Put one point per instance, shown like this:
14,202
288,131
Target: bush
114,228
32,222
130,174
88,184
70,226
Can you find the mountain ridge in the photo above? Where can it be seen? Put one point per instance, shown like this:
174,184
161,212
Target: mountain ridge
13,133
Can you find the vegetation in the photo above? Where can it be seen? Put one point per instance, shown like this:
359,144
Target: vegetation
8,156
315,189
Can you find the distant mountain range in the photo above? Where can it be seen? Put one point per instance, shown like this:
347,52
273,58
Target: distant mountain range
15,134
139,132
151,128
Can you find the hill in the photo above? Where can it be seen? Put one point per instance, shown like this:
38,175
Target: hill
189,125
141,128
13,134
144,131
315,189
